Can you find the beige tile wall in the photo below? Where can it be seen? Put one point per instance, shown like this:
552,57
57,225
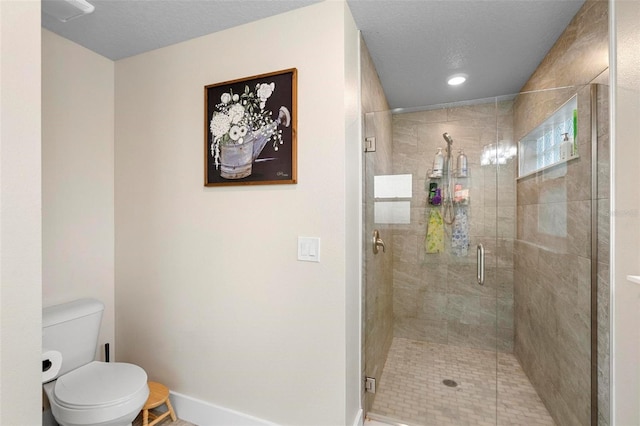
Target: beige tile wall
552,281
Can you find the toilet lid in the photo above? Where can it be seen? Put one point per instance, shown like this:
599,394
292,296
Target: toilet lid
99,384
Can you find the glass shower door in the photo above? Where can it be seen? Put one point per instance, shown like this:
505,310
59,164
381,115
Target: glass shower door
434,329
378,267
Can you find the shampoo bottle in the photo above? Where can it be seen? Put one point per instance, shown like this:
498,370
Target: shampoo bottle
438,163
462,164
437,199
432,191
566,148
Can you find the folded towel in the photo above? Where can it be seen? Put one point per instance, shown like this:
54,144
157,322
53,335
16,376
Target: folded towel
460,233
434,242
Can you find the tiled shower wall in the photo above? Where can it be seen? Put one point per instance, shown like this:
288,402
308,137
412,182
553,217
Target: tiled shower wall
553,275
436,297
378,316
552,280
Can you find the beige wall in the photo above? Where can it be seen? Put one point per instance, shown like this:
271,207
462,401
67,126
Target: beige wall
353,217
210,298
625,212
20,228
77,177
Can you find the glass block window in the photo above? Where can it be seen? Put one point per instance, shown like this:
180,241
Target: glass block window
548,145
540,149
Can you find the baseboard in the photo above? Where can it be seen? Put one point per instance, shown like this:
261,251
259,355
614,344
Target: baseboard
203,413
377,419
359,421
206,414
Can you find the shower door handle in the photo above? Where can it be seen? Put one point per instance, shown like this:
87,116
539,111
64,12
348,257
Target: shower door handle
480,259
377,242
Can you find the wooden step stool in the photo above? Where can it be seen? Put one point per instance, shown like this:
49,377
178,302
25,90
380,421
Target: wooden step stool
158,395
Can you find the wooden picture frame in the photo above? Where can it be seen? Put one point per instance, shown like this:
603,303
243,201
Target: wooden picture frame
250,130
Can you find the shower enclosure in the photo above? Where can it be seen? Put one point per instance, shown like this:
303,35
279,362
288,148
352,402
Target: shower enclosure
440,320
489,303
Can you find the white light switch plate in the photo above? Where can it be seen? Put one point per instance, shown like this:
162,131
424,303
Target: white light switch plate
309,249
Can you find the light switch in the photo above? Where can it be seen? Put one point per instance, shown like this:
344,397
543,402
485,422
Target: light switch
309,249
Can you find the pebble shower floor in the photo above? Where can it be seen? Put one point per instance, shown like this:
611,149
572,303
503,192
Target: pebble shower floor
411,388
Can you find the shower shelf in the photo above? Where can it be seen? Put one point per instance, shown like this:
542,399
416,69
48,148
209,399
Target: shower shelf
455,175
455,179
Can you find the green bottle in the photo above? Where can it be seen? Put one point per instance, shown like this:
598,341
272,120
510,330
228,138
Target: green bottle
575,132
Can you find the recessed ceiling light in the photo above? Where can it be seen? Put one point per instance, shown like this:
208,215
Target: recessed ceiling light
66,10
457,79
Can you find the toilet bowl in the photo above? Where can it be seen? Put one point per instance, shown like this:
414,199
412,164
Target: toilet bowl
98,393
81,390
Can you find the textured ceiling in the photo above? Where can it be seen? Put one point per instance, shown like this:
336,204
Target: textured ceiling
121,28
415,44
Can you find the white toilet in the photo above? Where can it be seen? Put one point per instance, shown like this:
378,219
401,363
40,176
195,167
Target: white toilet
84,391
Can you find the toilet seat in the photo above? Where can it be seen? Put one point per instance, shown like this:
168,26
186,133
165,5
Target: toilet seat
100,385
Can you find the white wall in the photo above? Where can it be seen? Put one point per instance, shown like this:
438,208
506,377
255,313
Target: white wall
353,218
625,211
77,177
210,298
20,229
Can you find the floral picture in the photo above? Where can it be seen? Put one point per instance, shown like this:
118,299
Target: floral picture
250,130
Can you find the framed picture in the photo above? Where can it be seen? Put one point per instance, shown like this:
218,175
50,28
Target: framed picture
250,130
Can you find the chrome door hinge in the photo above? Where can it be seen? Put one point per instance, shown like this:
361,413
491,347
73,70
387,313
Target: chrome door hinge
369,144
370,384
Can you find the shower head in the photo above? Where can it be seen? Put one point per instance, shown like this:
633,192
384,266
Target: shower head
447,138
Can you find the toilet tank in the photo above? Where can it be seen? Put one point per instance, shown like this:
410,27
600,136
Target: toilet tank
72,329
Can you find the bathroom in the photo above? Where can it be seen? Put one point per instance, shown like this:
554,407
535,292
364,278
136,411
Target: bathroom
136,230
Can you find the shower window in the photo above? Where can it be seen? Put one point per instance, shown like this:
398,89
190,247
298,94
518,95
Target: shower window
541,148
392,194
